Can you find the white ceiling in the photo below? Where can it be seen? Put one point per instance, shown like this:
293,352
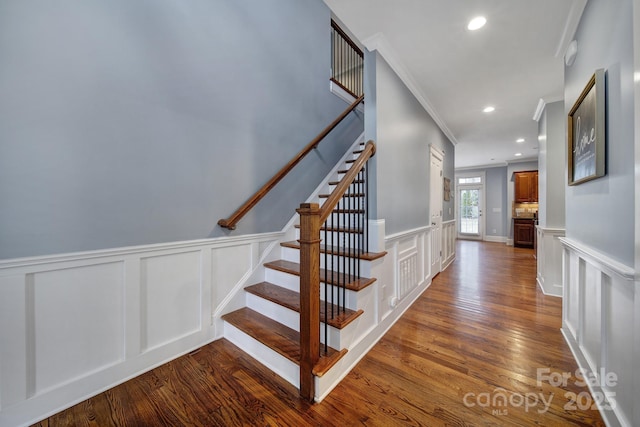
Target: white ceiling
512,63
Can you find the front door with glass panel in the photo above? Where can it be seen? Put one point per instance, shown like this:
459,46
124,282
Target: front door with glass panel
470,221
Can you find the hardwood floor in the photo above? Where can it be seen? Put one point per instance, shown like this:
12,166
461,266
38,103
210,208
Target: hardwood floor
482,346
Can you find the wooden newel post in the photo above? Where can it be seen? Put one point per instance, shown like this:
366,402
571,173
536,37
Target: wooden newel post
309,295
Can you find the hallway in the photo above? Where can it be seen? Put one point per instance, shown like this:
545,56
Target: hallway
481,346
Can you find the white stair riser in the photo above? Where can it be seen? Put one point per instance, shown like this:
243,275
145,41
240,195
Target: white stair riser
337,296
274,311
290,254
292,282
277,363
291,319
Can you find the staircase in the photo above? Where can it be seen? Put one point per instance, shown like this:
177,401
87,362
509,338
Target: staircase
268,327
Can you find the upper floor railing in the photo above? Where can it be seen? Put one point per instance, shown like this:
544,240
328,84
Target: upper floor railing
347,62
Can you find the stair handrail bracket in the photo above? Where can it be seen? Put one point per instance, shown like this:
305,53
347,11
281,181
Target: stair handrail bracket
312,218
230,223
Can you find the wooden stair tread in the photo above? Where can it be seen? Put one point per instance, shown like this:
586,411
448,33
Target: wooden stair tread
334,250
294,268
343,171
283,340
354,195
357,181
291,300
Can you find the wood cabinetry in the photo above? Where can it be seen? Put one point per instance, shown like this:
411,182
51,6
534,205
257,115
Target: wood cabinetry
526,187
523,233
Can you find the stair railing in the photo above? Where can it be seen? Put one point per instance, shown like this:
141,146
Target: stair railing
230,223
341,222
347,62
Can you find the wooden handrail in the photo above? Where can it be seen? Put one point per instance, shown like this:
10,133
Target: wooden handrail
311,219
231,222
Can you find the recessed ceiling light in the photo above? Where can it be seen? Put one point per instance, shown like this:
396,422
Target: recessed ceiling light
477,23
518,154
520,140
489,109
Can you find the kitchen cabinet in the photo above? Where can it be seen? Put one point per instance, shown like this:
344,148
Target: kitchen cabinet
523,232
526,187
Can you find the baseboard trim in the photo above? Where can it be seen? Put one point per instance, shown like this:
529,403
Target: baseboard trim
495,239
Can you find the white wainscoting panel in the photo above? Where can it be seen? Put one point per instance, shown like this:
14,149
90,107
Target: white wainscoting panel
170,297
74,325
448,243
409,261
549,260
600,295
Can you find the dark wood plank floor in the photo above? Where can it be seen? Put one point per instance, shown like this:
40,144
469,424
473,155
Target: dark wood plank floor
466,353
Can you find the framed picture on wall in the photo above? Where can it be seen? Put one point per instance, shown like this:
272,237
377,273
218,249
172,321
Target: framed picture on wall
447,189
587,133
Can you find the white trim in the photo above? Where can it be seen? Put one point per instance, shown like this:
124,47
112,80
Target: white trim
523,160
598,310
344,95
600,260
539,109
570,26
549,260
404,234
495,239
482,223
379,42
132,294
135,250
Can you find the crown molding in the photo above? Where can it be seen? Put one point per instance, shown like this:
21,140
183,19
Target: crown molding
570,26
379,43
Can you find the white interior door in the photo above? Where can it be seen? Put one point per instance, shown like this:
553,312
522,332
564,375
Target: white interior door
435,209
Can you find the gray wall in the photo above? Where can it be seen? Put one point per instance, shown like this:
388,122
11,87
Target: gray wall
134,122
404,130
552,177
600,213
496,188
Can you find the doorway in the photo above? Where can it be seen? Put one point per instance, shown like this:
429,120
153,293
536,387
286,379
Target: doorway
470,202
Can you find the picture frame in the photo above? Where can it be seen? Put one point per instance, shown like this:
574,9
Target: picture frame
447,189
587,133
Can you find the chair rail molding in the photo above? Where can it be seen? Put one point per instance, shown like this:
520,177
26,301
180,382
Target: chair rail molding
600,296
74,325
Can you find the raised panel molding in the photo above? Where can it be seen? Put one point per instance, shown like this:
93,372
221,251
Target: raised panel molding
408,255
74,325
600,296
448,243
170,306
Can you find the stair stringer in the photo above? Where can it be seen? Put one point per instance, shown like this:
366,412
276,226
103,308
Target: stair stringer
236,297
357,338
